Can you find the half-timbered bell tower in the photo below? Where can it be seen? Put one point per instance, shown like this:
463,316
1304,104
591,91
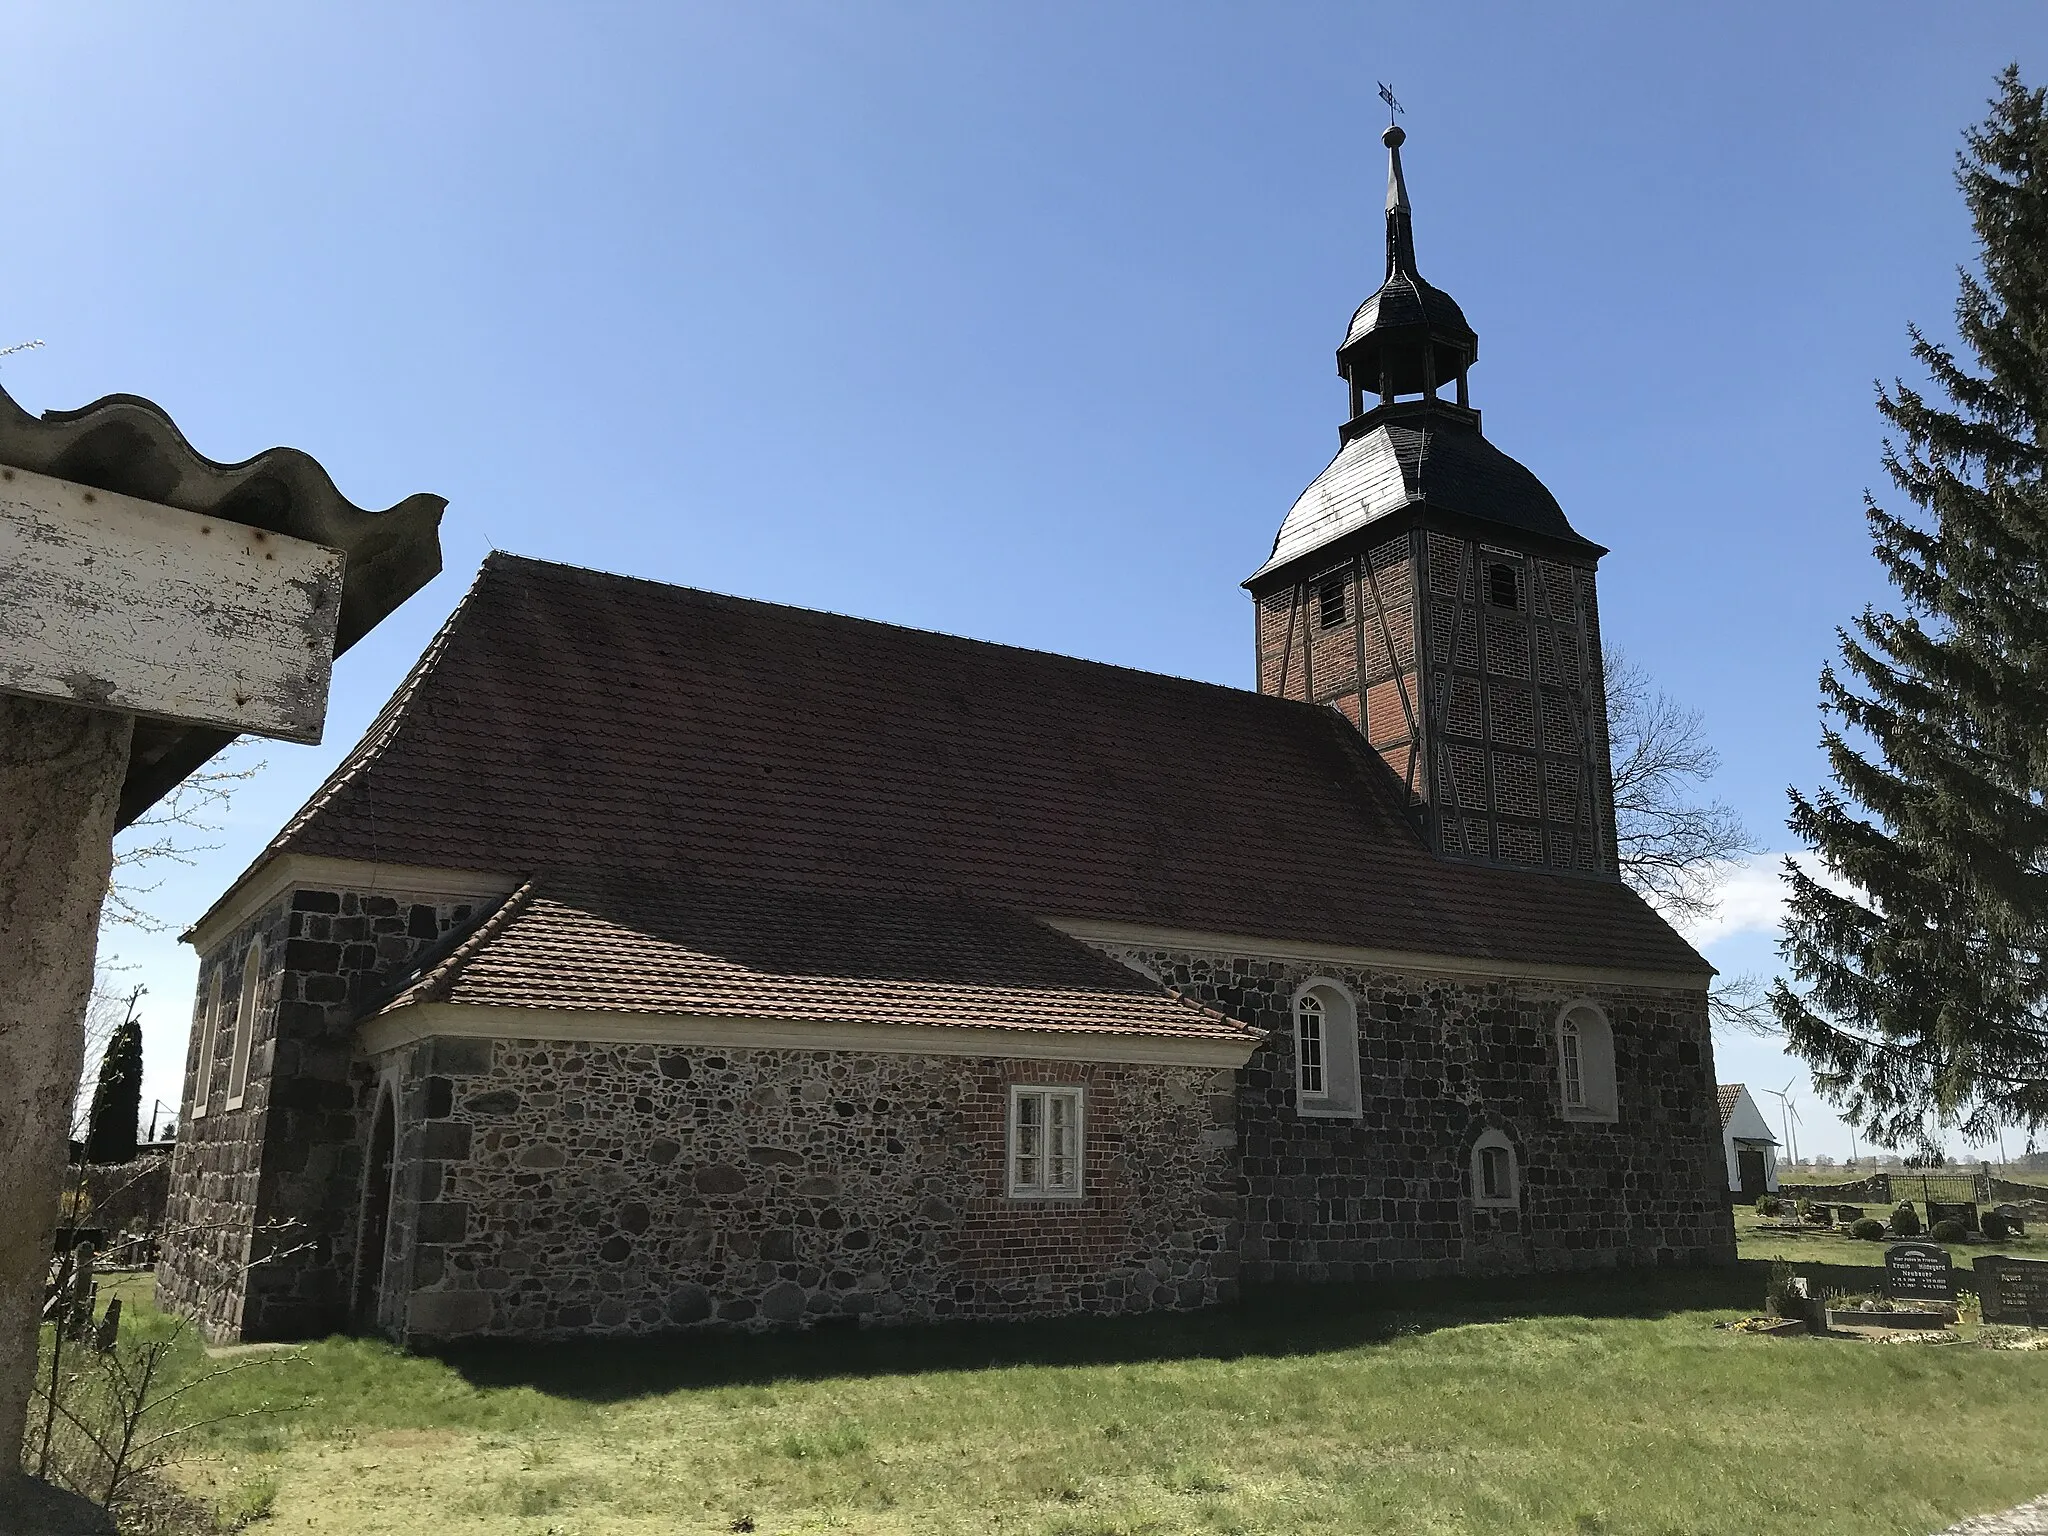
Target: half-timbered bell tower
1430,588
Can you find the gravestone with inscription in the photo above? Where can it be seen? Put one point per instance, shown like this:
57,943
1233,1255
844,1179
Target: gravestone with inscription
2013,1291
1918,1272
1964,1211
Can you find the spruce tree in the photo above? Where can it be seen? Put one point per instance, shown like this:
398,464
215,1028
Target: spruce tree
117,1098
1919,991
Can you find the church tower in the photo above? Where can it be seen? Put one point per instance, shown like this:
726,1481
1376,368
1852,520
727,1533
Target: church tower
1429,587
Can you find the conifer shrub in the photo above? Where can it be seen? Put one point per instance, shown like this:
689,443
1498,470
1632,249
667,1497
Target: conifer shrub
1994,1226
1869,1229
1949,1232
1905,1220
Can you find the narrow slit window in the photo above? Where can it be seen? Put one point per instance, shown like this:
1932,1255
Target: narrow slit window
1310,1076
1493,1172
1503,586
209,1025
245,1026
1332,605
1045,1143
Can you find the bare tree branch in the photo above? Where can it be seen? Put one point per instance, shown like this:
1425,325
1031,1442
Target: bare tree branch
171,831
1673,849
1741,1003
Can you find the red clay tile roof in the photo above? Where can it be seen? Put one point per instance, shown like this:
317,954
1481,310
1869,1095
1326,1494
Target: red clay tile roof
649,946
1731,1095
568,719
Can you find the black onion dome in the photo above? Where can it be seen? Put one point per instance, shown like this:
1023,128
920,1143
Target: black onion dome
1406,300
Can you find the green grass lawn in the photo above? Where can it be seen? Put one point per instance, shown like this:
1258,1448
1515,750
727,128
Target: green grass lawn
1589,1404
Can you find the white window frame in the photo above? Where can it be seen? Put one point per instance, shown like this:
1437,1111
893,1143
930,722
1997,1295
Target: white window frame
1509,1197
209,1027
1339,1095
1311,1046
1587,1087
246,1002
1030,1174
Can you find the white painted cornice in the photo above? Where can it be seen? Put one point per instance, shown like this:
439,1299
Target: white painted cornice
423,1021
1407,962
304,871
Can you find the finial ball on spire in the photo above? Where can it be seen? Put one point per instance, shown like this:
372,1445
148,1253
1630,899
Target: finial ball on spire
1394,137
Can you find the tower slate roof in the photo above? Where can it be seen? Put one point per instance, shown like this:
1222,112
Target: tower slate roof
1420,459
1426,455
569,721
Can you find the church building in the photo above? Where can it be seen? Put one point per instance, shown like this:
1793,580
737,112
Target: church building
661,959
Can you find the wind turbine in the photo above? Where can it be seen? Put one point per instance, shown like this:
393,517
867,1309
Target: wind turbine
1788,1117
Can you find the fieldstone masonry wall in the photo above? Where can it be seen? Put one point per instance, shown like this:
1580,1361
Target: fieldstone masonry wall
557,1188
560,1188
1388,1195
260,1226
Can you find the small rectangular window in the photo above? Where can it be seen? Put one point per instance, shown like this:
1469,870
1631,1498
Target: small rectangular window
1045,1143
1331,606
1503,586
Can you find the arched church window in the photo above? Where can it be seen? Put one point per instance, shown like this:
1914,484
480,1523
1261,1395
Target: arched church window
209,1034
1585,1063
1325,1050
1308,1044
1494,1174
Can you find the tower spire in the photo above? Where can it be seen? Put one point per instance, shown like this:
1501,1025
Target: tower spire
1400,219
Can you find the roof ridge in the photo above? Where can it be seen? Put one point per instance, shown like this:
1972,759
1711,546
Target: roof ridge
504,558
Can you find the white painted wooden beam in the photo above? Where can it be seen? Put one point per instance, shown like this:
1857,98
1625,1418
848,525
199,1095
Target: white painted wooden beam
116,603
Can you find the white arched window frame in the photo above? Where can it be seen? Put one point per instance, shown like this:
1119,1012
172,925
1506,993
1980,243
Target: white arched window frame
1496,1177
209,1032
1585,1063
245,1025
1325,1049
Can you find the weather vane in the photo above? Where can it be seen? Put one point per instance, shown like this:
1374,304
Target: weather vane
1393,106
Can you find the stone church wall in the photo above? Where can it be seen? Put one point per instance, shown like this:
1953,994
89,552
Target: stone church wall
260,1228
563,1188
1388,1196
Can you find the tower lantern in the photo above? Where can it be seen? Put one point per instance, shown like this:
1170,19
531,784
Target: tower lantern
1431,589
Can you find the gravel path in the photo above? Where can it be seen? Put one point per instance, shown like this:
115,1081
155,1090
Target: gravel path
2030,1519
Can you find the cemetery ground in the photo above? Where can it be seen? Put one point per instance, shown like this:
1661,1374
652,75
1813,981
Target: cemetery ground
1586,1403
1761,1237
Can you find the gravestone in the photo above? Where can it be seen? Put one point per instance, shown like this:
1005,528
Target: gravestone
2013,1291
1847,1214
1919,1272
1964,1211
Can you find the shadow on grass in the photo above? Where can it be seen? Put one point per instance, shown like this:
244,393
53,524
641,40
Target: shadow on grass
1271,1322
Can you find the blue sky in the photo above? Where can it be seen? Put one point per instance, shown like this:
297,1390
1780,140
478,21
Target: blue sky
1013,321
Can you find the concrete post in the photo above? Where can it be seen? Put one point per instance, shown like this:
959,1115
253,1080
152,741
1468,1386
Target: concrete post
61,769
